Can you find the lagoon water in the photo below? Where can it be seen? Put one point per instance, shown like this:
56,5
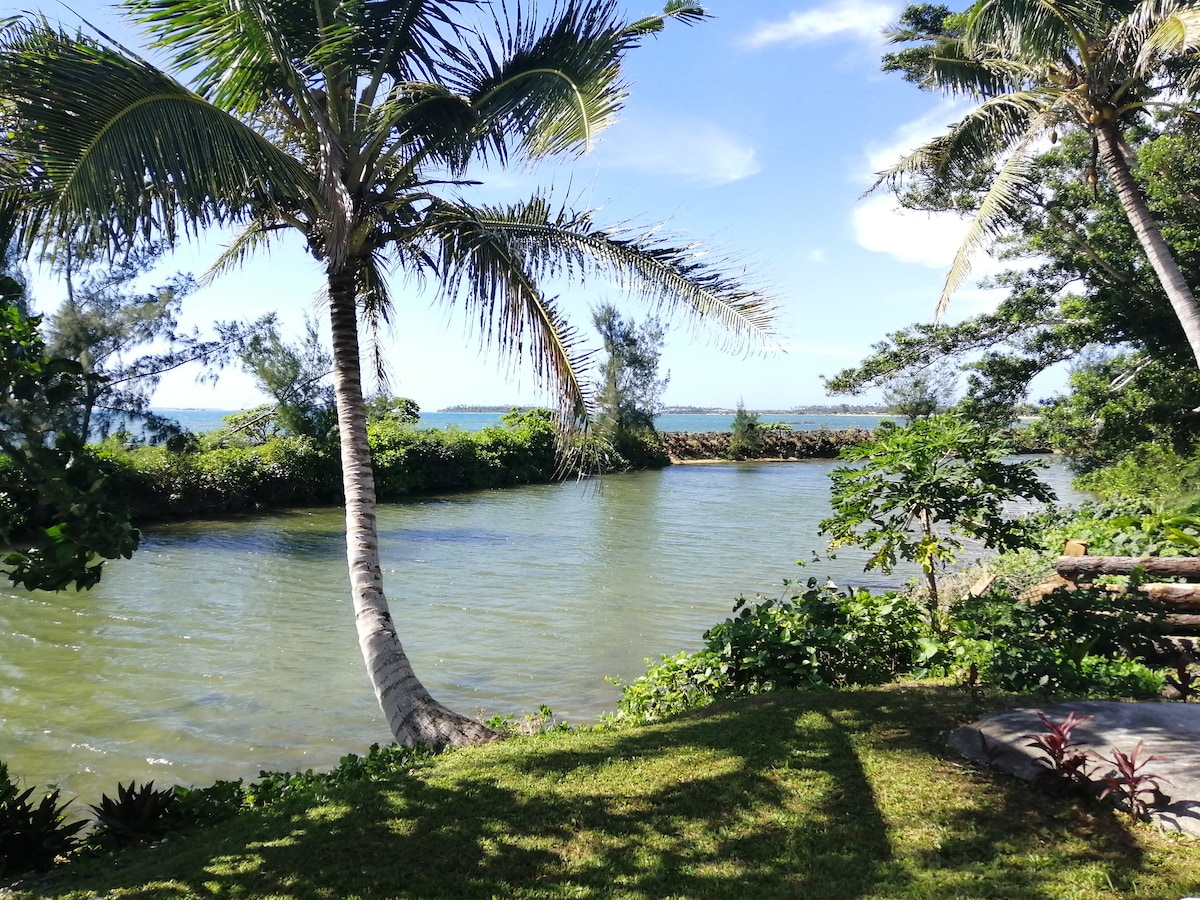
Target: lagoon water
226,647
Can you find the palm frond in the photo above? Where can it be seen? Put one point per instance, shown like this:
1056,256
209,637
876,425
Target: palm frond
254,237
975,75
1002,197
375,306
487,271
1172,35
115,146
1006,195
1036,29
546,87
235,54
989,131
557,243
680,10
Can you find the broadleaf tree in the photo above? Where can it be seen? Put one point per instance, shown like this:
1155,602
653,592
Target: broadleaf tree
913,492
67,523
354,123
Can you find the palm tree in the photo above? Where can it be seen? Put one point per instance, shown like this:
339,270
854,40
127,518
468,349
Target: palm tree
1037,67
353,122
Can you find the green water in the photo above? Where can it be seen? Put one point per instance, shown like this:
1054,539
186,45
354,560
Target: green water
223,648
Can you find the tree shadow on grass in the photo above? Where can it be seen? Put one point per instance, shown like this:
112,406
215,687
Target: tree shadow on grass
771,798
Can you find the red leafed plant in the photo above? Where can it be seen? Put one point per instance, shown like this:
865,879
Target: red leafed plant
1064,759
1128,782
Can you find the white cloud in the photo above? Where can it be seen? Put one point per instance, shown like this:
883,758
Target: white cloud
927,239
857,19
690,149
931,240
817,255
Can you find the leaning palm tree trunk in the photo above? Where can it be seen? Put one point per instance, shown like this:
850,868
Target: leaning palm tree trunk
411,712
1155,246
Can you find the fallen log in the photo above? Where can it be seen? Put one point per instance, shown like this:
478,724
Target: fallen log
1073,567
1182,624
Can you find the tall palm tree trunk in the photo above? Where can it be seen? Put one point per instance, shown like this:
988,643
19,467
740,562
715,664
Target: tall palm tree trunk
1162,260
412,714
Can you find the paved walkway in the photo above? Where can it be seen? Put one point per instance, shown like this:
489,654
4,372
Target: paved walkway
1169,730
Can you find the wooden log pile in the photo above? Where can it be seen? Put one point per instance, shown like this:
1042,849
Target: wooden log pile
1181,600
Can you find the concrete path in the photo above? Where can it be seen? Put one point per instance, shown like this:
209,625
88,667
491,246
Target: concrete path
1169,730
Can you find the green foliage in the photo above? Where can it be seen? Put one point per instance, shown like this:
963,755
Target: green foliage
68,519
816,635
32,836
746,440
819,634
631,391
920,394
1076,642
127,337
217,801
540,722
233,476
1079,282
137,814
937,470
777,443
296,376
673,685
159,483
523,450
400,410
1118,404
380,764
1151,474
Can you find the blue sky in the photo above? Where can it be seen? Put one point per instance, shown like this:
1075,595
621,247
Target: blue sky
754,133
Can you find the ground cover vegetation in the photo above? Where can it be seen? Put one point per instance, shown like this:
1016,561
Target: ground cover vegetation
353,126
839,794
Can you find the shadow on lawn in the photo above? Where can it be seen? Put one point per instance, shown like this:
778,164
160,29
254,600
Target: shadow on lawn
775,804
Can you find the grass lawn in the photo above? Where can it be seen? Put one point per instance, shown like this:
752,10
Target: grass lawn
815,795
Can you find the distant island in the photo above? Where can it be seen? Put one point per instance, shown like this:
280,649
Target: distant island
476,408
836,409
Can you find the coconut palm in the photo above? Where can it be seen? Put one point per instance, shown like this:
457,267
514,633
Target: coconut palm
1037,67
354,123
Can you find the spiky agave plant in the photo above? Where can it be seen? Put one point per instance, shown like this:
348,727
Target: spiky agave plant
137,814
32,836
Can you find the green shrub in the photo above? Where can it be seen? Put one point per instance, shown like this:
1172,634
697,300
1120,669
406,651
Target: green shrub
816,636
746,439
820,635
677,683
1152,473
1072,641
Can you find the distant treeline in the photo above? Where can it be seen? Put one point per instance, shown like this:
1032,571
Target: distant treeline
837,409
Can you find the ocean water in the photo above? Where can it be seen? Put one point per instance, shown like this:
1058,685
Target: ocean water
203,420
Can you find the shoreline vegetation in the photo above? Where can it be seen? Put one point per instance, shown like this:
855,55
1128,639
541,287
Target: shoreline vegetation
226,474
